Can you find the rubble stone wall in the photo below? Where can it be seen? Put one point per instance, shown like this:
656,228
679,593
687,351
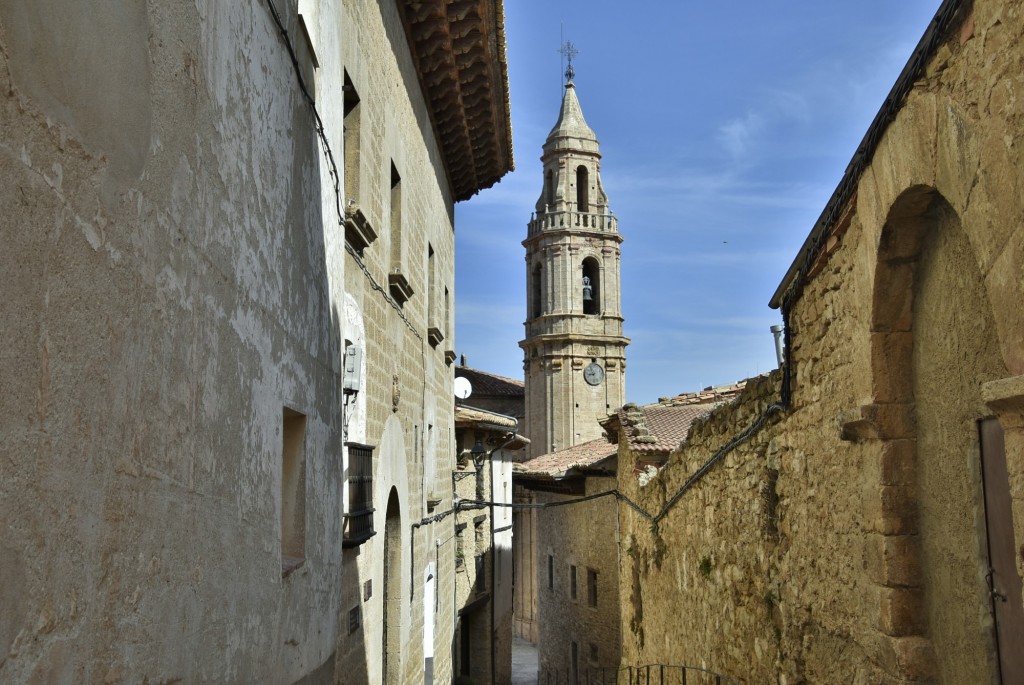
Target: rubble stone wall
845,542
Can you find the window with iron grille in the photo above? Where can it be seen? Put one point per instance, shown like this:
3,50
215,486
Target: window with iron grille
359,518
355,619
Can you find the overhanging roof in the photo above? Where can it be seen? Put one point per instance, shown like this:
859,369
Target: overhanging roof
459,50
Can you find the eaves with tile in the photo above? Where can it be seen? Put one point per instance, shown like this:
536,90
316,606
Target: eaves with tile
458,47
653,431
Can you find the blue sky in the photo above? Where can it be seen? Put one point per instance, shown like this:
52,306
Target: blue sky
724,128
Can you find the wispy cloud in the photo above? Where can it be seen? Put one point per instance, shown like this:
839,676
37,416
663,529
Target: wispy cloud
736,135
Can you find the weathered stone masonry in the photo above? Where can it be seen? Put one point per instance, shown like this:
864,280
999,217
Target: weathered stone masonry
847,541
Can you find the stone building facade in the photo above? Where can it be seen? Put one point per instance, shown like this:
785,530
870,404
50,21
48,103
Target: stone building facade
487,444
857,517
575,588
227,383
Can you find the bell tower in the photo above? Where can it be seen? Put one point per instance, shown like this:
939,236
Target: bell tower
574,352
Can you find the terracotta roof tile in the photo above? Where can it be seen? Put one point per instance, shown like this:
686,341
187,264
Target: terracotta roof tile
556,464
657,429
464,414
489,383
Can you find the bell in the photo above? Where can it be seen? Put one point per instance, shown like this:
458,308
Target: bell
587,297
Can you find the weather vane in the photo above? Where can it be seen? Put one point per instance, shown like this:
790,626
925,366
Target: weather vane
569,52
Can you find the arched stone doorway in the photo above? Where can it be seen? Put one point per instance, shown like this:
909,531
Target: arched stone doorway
392,640
933,344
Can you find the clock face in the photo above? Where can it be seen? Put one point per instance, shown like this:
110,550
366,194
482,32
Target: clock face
593,374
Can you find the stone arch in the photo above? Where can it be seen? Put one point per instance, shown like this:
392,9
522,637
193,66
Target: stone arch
392,639
582,188
933,343
391,486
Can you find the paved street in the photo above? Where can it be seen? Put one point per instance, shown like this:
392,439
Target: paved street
524,662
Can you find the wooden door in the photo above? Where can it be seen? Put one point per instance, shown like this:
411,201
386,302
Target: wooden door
1004,583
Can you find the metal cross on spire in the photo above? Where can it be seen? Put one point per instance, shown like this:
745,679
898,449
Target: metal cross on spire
569,52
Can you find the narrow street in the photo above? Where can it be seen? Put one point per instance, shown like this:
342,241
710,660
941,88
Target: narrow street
524,662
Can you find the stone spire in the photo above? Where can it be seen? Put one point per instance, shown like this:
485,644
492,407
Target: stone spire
571,131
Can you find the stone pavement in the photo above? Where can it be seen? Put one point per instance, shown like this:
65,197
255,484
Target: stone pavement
524,662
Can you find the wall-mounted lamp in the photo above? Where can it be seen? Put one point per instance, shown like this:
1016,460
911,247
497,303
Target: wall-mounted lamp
478,453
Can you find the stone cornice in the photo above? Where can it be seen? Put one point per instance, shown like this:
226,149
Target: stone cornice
459,50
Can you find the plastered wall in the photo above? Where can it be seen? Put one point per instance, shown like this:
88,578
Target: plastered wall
171,286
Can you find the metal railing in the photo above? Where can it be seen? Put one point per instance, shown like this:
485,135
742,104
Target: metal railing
648,674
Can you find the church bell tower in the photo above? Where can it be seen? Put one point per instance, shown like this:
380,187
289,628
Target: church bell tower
574,351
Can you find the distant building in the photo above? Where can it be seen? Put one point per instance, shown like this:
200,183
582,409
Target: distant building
494,393
486,445
574,364
574,353
575,590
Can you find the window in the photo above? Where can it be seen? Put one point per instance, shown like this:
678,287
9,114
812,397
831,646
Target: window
447,313
460,549
591,587
434,332
549,189
591,286
351,126
537,291
358,232
572,582
582,189
355,618
593,653
481,576
551,572
397,282
359,518
293,490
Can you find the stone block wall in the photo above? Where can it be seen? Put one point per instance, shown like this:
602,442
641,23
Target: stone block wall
407,388
846,541
585,536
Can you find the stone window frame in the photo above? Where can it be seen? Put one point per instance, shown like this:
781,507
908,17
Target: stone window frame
591,588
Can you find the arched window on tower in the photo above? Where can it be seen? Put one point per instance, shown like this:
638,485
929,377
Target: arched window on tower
591,286
582,189
549,188
537,292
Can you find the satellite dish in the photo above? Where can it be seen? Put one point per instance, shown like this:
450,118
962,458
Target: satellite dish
463,388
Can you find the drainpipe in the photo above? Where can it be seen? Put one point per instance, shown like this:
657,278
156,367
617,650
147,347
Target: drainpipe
777,332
